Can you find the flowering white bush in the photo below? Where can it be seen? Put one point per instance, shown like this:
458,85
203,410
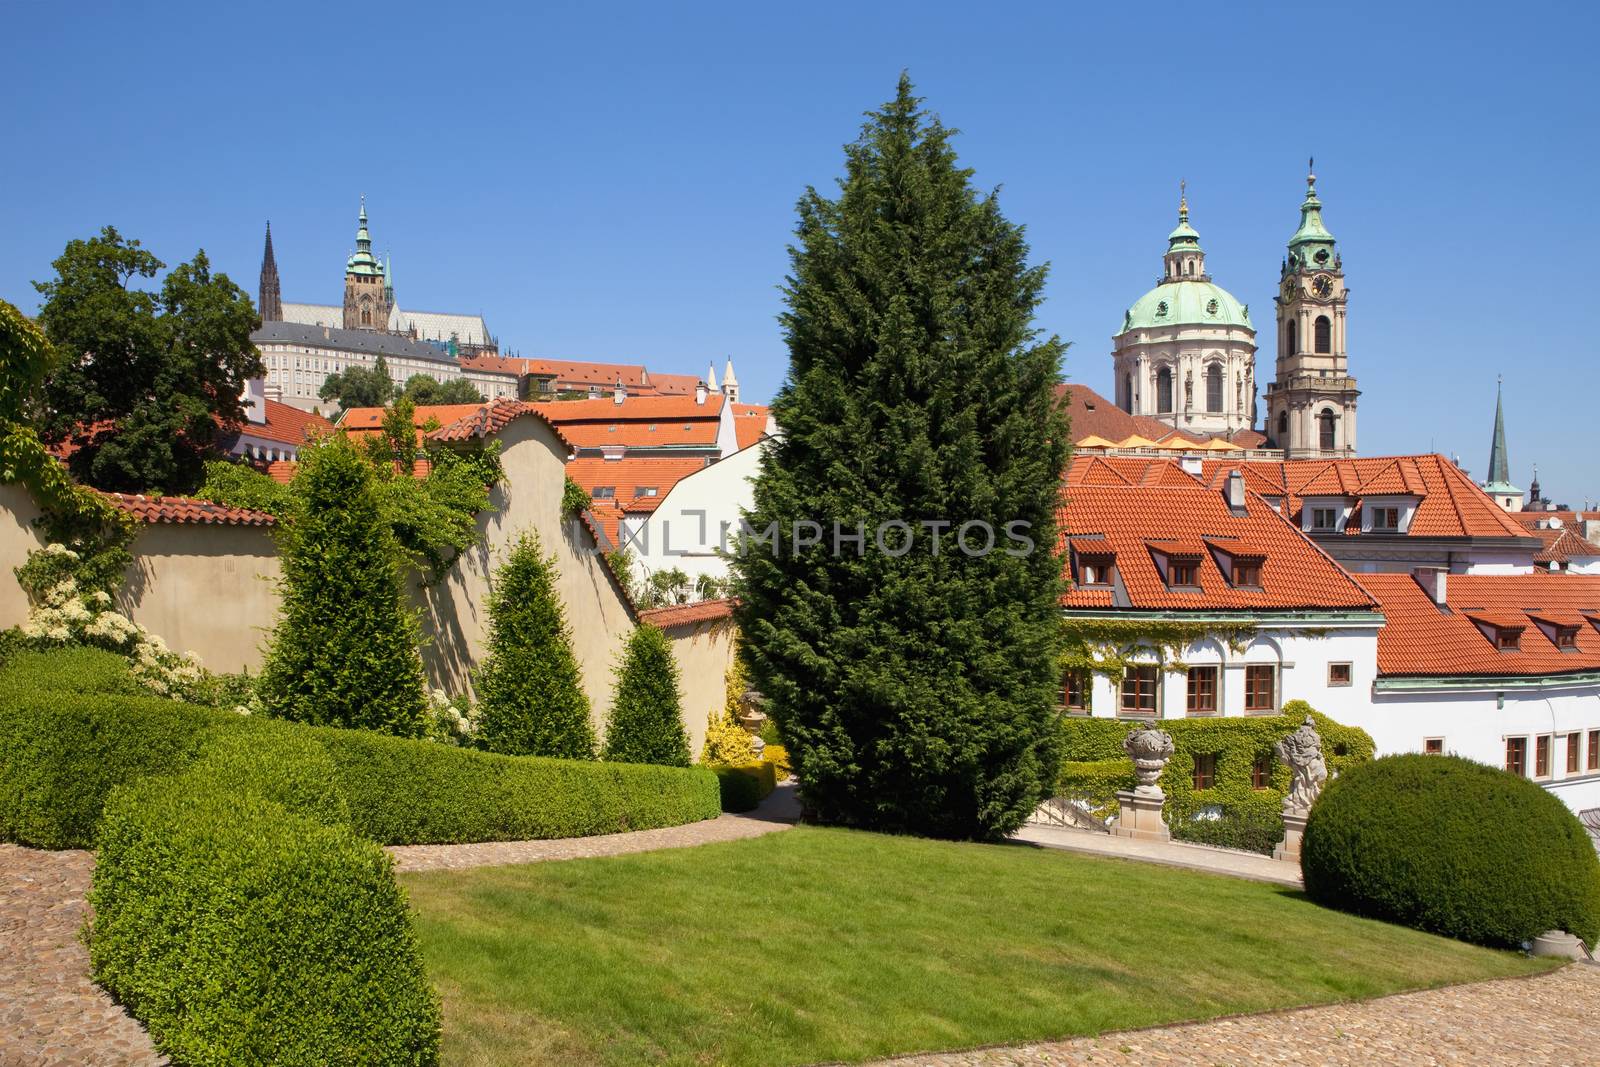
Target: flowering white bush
63,613
454,720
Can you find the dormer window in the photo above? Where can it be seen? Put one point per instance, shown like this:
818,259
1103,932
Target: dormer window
1385,519
1096,570
1325,520
1567,638
1183,573
603,492
1246,572
1508,638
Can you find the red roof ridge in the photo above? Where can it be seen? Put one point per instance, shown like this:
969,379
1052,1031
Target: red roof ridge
185,509
683,614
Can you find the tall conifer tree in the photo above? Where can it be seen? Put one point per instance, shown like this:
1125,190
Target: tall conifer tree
915,689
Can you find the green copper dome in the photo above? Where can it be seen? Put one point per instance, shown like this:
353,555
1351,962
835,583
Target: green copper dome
1186,303
363,261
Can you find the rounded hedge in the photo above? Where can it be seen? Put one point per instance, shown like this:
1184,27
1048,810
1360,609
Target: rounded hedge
1454,847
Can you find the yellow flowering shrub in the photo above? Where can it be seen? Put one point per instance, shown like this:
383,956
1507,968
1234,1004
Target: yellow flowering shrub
727,743
778,756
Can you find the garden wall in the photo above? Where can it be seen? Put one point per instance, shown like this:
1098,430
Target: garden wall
210,589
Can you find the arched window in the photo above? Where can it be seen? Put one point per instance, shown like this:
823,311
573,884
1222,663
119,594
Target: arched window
1283,428
1214,387
1326,432
1164,390
1291,339
366,317
1324,334
1127,393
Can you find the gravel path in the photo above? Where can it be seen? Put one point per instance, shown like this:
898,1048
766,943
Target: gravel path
50,1013
1552,1020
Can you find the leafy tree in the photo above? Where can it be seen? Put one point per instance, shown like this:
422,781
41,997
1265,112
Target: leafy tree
359,387
647,712
421,389
147,380
530,691
344,652
914,685
396,446
661,588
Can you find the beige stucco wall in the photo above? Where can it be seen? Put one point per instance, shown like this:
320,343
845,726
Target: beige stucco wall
456,611
704,651
210,590
18,537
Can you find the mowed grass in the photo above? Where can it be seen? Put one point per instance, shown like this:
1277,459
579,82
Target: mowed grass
814,945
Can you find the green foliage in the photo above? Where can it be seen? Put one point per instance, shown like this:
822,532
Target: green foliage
1108,646
1454,847
412,792
530,690
915,692
359,387
236,485
575,499
1094,767
423,390
727,743
397,444
70,732
232,926
147,380
646,724
744,787
664,587
345,648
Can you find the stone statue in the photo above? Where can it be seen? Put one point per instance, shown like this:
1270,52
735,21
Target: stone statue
1150,749
1188,390
1302,751
753,718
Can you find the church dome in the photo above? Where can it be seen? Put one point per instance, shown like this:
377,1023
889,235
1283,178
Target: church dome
1186,303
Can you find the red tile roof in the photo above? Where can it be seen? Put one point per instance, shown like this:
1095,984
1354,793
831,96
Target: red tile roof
1449,503
1420,638
286,424
182,509
1171,512
355,420
1094,416
750,423
674,384
494,365
1560,545
578,372
683,614
637,422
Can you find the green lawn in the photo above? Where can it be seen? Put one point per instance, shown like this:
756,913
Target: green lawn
817,944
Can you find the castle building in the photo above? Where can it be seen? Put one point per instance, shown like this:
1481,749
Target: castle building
1186,352
369,304
1311,404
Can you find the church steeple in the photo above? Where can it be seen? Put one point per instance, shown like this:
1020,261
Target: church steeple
366,300
270,299
1499,484
363,261
1312,245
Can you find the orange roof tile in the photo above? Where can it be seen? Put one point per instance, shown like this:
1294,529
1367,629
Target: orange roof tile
1094,415
750,423
1420,638
637,422
579,372
1130,519
183,509
1449,503
286,424
674,384
683,614
357,419
494,365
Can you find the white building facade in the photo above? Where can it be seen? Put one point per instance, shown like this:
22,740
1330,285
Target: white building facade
697,521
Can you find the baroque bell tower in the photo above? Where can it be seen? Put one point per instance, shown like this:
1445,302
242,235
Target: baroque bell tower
1311,405
367,299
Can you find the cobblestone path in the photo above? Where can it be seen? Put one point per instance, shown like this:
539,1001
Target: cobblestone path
1552,1020
50,1013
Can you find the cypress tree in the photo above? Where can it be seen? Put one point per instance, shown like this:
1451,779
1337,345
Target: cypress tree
345,650
530,689
647,712
914,687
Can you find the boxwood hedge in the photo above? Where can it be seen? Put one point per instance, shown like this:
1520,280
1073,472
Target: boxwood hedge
1452,846
241,932
1232,812
744,787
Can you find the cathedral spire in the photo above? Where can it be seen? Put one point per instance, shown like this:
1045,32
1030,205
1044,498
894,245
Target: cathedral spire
362,261
1499,463
270,299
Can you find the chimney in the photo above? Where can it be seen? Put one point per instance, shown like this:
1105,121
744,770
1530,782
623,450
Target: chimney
700,393
1235,494
619,394
1434,582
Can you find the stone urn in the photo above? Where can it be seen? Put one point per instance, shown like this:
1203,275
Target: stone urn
752,718
1150,749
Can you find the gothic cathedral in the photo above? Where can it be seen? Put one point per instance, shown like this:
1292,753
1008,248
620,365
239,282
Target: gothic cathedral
1311,406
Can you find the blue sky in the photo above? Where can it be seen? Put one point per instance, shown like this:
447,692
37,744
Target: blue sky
619,182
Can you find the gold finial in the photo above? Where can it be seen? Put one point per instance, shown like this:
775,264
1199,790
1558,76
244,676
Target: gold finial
1183,200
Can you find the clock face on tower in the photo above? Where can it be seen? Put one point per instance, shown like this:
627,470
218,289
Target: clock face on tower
1322,285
